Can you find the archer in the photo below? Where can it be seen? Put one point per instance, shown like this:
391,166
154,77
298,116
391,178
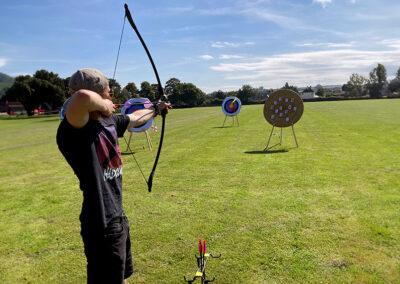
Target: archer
88,139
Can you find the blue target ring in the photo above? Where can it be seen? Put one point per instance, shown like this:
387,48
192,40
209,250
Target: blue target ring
132,105
231,106
64,109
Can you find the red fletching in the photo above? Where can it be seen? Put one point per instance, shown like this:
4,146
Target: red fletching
200,247
204,246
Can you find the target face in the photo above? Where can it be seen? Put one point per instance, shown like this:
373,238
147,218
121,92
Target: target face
231,106
64,109
283,108
136,104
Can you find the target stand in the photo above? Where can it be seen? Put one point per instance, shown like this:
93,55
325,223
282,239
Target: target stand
233,120
148,138
280,138
131,106
283,108
231,107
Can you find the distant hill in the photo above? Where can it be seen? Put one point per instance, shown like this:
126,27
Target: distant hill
4,78
5,82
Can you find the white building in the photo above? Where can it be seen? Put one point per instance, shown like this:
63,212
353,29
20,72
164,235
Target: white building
308,94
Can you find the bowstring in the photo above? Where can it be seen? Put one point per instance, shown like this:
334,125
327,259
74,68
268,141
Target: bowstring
119,48
137,163
115,70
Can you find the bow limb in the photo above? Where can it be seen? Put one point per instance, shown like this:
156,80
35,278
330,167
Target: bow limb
161,97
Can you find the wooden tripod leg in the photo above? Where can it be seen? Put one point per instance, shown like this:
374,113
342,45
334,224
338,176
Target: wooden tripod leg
269,139
148,140
294,135
237,120
224,121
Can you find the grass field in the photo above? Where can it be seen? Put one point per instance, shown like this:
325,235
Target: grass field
326,212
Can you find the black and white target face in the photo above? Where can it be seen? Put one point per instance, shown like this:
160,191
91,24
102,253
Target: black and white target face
231,106
283,108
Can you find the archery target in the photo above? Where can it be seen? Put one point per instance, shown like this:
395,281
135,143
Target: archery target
283,108
132,105
231,106
64,109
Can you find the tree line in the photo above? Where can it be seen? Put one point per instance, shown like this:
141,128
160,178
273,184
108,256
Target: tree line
47,90
376,86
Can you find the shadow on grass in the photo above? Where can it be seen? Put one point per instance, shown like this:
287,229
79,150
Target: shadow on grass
135,151
232,126
267,152
127,153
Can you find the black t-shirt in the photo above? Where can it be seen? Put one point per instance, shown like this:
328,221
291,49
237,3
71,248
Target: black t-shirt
94,155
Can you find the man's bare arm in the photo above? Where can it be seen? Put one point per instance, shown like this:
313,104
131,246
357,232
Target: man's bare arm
140,117
84,102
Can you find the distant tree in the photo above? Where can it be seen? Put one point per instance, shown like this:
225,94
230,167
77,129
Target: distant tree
190,95
172,91
118,96
21,91
131,90
66,86
49,88
394,85
308,89
261,94
377,80
50,77
219,95
246,93
356,86
147,91
47,93
232,94
44,89
380,72
289,87
320,91
171,86
154,91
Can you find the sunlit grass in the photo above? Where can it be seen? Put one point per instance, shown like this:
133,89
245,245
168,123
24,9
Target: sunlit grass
325,212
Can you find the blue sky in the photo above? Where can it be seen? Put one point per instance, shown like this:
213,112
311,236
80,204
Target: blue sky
215,44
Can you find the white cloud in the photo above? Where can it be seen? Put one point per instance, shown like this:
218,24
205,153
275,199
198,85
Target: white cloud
310,68
226,88
223,44
227,44
327,44
3,62
392,43
323,2
266,15
180,10
230,56
206,57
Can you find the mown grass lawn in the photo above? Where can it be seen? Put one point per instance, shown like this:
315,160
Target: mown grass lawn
326,212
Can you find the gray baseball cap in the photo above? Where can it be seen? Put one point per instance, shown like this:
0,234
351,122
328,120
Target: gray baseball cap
88,79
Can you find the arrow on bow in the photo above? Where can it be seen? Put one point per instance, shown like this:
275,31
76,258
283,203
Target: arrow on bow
160,89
